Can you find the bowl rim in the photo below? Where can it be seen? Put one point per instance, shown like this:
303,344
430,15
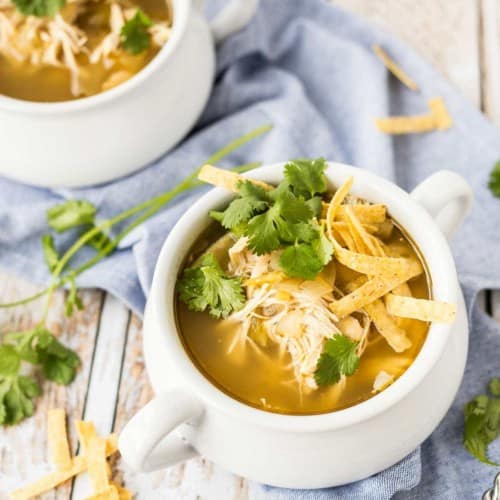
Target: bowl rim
444,284
181,14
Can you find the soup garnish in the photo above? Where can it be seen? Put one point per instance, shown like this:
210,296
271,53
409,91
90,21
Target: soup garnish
315,302
55,51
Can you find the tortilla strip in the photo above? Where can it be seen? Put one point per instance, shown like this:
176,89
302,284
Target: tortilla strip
372,265
406,124
370,228
367,214
393,334
421,309
110,493
226,179
372,290
391,65
360,235
335,203
440,113
54,479
59,451
97,465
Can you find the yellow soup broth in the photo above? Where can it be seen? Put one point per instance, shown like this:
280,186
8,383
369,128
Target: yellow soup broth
263,378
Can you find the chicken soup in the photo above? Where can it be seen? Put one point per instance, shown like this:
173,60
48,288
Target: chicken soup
61,50
302,301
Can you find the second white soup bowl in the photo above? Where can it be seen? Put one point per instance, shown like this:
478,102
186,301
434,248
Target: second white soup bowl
190,416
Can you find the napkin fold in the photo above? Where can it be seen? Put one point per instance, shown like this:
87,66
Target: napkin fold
308,68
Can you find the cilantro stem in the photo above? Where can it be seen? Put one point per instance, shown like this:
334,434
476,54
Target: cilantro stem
149,207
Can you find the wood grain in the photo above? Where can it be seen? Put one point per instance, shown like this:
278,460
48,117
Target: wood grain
23,448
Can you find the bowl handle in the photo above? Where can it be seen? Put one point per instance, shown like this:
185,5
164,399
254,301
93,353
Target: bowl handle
447,197
147,443
233,18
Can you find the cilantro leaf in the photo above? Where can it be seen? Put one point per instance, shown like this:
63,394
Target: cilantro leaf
267,231
494,386
39,8
135,37
10,362
338,358
301,261
323,247
482,423
494,182
316,205
16,391
41,347
70,214
207,287
50,252
306,177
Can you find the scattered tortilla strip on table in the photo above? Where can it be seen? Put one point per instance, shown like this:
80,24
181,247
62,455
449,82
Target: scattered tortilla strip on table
438,118
54,479
422,309
391,65
59,451
97,465
226,179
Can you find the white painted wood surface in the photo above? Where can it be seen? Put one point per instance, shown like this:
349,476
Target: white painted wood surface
461,38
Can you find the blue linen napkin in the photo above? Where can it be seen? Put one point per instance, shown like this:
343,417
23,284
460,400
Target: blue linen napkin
308,68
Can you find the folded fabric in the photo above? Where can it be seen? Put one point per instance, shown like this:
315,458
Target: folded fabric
308,68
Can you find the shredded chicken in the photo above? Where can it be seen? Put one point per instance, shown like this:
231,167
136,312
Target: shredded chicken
294,313
59,42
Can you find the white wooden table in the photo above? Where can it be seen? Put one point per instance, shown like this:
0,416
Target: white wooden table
461,38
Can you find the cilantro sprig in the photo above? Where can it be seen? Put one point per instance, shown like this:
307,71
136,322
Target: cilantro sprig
135,37
38,346
205,286
284,218
482,423
338,358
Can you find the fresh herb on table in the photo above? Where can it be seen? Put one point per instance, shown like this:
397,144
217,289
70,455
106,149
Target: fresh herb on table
494,182
206,286
482,423
39,347
284,218
338,358
39,8
135,36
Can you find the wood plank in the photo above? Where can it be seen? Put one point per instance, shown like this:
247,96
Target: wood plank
445,33
198,478
23,448
105,376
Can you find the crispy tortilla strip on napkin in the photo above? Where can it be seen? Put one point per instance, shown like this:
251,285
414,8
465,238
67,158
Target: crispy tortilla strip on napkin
372,290
438,118
226,179
440,112
406,124
54,479
391,65
422,309
59,451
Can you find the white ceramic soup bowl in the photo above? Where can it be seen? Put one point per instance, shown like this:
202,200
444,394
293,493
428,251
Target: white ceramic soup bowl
190,415
109,135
